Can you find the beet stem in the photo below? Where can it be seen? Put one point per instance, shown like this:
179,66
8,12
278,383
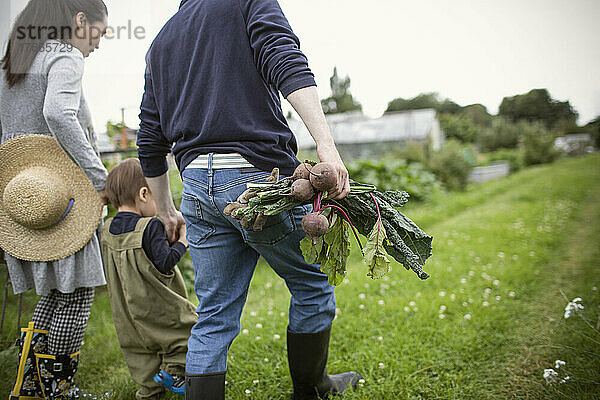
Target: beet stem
378,216
347,219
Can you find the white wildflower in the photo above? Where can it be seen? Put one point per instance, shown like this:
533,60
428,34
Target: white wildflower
362,296
381,302
282,314
467,317
498,298
532,254
452,296
245,331
463,280
487,290
259,325
266,359
253,313
442,316
248,392
442,308
465,304
381,365
257,338
550,375
471,273
412,304
255,381
573,306
595,289
511,294
380,338
496,282
276,337
515,257
501,255
362,306
559,363
442,294
407,309
485,304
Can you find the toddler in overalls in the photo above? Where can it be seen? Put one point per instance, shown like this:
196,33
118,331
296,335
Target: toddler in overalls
152,314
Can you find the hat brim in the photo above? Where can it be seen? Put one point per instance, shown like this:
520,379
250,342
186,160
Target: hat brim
73,232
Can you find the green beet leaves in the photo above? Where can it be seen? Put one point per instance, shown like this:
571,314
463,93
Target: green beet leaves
331,250
375,255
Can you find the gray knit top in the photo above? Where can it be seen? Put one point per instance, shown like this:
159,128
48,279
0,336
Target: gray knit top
50,101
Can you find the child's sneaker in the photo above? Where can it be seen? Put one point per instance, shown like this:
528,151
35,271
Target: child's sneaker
174,383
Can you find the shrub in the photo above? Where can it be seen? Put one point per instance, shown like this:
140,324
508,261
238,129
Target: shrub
459,127
502,134
395,174
412,152
450,165
538,145
513,156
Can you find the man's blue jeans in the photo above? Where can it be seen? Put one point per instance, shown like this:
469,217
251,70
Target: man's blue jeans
224,256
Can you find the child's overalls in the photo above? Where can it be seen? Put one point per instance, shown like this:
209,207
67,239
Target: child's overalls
153,316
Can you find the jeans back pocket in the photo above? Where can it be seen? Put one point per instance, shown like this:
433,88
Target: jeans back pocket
198,230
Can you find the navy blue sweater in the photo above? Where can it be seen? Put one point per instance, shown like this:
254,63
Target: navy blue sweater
163,255
213,78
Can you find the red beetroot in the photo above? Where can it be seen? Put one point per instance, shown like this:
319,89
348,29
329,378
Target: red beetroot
302,190
323,177
302,171
315,225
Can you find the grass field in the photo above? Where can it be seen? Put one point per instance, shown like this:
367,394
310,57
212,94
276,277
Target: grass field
507,256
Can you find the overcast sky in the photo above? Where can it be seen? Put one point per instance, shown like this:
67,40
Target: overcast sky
475,51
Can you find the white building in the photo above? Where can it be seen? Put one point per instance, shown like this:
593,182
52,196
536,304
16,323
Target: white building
357,133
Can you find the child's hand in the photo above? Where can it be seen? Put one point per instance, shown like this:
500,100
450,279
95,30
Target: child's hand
182,235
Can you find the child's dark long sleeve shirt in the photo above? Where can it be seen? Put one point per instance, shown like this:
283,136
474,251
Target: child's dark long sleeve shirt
163,255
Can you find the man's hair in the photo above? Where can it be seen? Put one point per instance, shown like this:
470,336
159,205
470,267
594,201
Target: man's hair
124,182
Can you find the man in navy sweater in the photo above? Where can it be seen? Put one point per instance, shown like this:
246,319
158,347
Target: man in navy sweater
213,78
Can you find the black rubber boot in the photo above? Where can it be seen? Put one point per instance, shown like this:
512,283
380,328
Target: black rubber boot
307,358
28,381
205,387
56,377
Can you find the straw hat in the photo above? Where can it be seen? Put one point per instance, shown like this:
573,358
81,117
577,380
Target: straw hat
48,207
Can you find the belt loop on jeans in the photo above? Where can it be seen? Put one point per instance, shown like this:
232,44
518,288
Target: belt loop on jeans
210,173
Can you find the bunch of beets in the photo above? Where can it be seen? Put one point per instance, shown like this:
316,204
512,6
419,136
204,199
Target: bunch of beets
366,211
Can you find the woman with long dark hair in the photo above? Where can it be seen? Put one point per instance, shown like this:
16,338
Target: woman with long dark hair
41,93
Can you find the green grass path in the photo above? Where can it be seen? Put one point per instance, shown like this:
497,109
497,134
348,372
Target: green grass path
484,326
